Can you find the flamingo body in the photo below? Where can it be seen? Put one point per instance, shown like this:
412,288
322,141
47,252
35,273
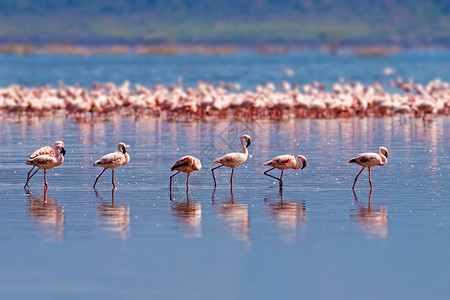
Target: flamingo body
186,164
284,162
112,161
46,161
233,160
46,150
368,160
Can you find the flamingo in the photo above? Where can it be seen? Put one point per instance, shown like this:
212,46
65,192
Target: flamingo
113,160
186,164
284,162
41,151
47,161
368,160
233,160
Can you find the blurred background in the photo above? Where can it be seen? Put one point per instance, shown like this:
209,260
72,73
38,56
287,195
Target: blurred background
221,27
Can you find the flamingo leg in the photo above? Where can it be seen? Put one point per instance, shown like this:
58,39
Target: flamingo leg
356,178
45,178
187,181
281,178
214,177
171,181
114,185
231,179
28,176
265,173
26,184
370,181
98,177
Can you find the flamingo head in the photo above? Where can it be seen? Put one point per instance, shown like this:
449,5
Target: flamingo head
122,147
248,139
60,148
384,151
303,159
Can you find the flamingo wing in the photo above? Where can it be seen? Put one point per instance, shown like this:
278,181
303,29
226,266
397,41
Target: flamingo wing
42,151
116,158
182,162
42,160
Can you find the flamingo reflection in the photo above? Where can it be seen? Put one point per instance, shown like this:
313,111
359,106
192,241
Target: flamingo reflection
189,213
48,213
116,218
372,221
288,214
235,216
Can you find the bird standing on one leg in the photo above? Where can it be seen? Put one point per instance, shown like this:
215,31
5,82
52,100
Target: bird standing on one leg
284,162
186,164
233,160
47,161
112,161
368,160
42,151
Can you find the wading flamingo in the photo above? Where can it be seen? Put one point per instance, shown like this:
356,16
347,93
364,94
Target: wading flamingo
186,164
112,161
233,160
47,161
368,160
41,151
284,162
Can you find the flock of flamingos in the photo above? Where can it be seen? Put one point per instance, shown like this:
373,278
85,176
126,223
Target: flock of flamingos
343,99
46,158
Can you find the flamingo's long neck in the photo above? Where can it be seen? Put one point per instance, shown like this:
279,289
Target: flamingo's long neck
243,147
383,158
59,157
299,163
57,154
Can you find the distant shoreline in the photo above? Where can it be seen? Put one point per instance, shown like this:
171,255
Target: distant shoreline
200,49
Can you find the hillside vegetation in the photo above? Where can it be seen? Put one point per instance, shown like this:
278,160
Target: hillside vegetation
241,22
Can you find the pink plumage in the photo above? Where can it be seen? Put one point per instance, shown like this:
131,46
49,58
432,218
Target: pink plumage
186,164
113,160
46,158
233,160
284,162
368,160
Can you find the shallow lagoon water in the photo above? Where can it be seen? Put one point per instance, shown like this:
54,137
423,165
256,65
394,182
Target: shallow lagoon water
314,240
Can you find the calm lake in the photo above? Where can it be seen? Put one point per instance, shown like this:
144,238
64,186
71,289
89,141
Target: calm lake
315,239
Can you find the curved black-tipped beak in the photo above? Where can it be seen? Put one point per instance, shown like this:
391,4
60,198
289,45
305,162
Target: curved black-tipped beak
386,155
249,142
304,165
63,151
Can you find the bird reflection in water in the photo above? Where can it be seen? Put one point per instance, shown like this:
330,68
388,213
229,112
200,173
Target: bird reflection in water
189,214
48,214
116,218
372,221
235,216
289,215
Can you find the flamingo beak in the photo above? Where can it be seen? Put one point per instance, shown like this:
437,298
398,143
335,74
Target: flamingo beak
63,151
249,142
304,165
386,155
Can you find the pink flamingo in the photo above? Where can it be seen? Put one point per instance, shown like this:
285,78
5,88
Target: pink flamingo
47,161
233,160
368,160
41,151
112,161
284,162
186,164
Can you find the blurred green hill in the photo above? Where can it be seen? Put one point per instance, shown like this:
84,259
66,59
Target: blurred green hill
240,22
